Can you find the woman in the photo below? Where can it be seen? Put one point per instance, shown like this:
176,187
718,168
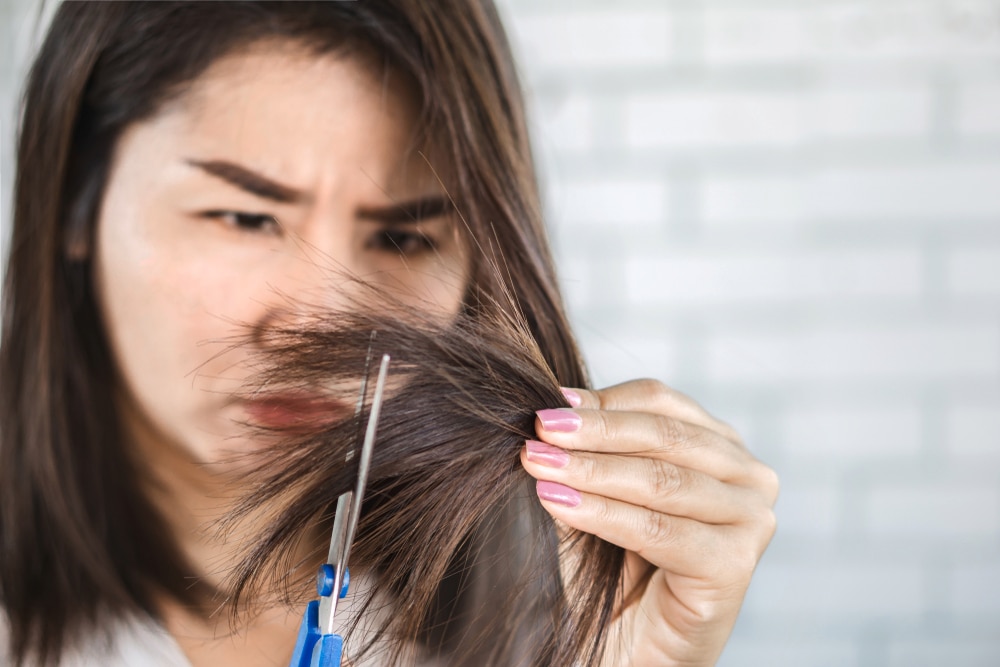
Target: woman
185,168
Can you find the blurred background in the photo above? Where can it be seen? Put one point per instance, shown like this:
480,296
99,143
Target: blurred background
790,210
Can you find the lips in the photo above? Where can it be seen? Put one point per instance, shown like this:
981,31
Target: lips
296,412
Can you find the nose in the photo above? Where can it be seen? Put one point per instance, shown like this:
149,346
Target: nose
314,275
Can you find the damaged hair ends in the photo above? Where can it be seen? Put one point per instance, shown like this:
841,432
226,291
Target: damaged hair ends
470,566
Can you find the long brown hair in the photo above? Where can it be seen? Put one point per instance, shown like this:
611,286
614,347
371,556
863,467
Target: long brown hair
78,538
479,571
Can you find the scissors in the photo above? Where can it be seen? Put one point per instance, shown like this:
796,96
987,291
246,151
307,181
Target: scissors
318,645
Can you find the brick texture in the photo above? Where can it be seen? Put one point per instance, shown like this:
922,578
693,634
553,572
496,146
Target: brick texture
821,267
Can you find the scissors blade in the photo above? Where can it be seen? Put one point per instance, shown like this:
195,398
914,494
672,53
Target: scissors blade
366,456
344,500
345,521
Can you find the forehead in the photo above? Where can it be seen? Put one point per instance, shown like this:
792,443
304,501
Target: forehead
285,109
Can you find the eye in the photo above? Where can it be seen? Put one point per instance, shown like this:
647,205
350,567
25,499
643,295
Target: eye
401,241
247,222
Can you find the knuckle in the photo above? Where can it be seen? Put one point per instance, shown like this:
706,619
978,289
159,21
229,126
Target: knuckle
588,468
760,524
605,429
656,394
670,434
745,565
706,614
653,387
667,479
666,399
739,565
768,522
766,479
605,399
656,528
605,514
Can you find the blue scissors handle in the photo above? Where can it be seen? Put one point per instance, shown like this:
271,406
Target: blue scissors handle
317,644
313,648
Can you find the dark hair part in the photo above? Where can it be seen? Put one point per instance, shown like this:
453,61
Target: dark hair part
488,585
77,535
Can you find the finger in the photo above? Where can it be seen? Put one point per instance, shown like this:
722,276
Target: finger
645,434
651,483
650,396
679,544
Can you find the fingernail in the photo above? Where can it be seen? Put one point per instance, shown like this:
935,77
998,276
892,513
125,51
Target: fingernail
572,397
560,420
546,455
558,493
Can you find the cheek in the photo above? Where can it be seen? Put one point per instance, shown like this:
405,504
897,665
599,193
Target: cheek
440,283
447,291
167,321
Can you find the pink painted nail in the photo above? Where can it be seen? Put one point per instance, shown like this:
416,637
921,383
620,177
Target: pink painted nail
546,455
558,493
572,397
561,420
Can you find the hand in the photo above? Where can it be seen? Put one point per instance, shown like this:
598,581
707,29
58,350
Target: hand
646,468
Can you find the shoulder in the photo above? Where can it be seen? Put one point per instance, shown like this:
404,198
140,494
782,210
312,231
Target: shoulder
128,642
131,642
4,640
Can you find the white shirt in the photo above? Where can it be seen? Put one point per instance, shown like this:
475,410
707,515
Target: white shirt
137,642
129,643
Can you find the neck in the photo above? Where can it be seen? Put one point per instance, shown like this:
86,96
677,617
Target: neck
193,498
267,639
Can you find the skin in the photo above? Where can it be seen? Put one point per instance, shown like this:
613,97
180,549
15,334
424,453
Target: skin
185,258
177,278
645,467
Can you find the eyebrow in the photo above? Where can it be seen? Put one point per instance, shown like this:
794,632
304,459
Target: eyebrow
250,181
266,188
411,211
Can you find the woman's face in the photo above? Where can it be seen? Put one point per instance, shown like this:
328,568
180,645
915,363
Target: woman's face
273,172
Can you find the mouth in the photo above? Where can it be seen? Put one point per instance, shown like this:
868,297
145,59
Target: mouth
296,412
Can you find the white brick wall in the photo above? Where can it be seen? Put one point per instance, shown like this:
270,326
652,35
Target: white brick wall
920,652
761,275
849,436
972,589
737,36
601,202
916,31
842,588
959,510
598,38
873,112
697,119
972,432
977,105
973,271
946,192
862,352
810,511
820,266
791,210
